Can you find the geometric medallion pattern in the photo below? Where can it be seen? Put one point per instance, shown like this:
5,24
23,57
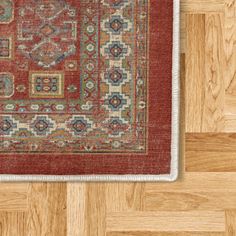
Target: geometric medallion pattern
46,84
78,81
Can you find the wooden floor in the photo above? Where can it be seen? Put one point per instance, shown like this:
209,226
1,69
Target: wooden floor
203,201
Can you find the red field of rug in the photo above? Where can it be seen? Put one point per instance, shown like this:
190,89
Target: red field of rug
86,90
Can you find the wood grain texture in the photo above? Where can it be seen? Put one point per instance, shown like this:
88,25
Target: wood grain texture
148,233
203,200
189,201
164,221
47,209
198,182
76,217
230,62
210,152
13,223
195,71
124,197
229,44
202,6
231,223
95,209
13,197
213,103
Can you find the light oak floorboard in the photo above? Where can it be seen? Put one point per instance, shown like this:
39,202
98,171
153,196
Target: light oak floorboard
76,217
13,197
164,221
202,6
195,71
212,152
146,233
231,223
13,223
47,209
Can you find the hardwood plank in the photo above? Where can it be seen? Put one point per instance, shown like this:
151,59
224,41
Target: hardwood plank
230,68
12,223
47,209
147,233
230,47
13,196
210,162
76,205
124,196
231,223
202,6
198,182
211,142
195,71
214,92
210,152
157,221
95,209
188,200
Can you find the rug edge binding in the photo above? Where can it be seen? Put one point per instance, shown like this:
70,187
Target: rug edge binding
175,143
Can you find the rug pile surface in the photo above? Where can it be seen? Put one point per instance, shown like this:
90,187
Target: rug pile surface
89,90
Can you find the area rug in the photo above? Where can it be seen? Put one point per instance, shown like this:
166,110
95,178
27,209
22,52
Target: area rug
89,90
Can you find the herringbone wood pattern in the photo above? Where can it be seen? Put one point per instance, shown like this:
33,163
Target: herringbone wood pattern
203,201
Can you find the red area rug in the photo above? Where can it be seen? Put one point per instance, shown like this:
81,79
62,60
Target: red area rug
89,90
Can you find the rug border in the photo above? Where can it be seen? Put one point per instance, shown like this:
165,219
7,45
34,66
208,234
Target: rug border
174,133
